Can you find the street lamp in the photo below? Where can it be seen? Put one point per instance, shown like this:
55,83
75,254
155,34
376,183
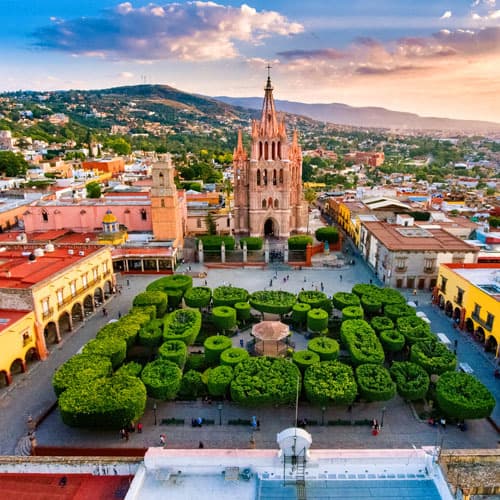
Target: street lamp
323,409
154,412
219,407
382,419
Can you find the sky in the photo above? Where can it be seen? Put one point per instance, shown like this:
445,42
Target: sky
431,57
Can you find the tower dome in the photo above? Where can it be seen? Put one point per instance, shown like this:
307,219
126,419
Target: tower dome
109,218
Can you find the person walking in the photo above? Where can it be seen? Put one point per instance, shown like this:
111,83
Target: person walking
163,439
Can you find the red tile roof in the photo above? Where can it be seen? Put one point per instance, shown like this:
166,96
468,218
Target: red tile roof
9,316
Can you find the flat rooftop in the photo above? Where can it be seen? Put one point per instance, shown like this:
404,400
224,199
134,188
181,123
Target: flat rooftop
484,276
9,316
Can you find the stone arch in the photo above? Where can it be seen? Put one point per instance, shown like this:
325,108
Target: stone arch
31,356
456,313
469,325
88,305
448,308
491,344
441,301
108,290
51,333
64,323
264,204
271,227
276,203
480,334
258,177
4,378
76,313
98,296
18,366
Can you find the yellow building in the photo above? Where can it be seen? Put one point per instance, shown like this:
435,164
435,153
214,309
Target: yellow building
470,294
111,234
17,343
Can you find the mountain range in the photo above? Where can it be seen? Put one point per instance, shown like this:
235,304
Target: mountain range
376,117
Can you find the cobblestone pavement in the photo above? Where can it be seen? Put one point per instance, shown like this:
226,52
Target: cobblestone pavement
32,394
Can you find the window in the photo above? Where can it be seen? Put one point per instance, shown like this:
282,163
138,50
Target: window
258,177
144,215
72,287
274,176
429,264
460,296
489,320
85,280
45,216
162,203
104,267
443,284
263,203
229,222
60,296
276,204
45,305
265,177
400,263
95,273
198,223
477,310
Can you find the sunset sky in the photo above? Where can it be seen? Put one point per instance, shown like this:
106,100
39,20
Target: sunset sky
432,57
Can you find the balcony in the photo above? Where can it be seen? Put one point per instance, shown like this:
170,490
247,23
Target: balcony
430,270
401,269
46,314
484,324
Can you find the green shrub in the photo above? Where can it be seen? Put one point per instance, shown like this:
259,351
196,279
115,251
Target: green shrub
175,351
265,381
317,300
192,385
412,381
196,361
162,379
103,403
242,311
433,357
272,301
112,347
79,370
219,380
462,396
317,320
391,296
361,289
214,346
182,324
342,300
371,304
299,242
379,323
329,234
131,369
253,243
329,383
172,282
151,334
229,295
392,340
155,298
361,342
352,312
198,297
326,348
213,243
224,318
414,329
375,383
299,313
395,311
233,356
304,359
174,298
125,329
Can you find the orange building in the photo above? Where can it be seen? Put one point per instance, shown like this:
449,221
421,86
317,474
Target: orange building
371,158
114,166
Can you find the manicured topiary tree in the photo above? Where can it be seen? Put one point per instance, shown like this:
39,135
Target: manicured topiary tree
253,243
299,242
242,311
361,289
433,357
233,356
219,379
352,312
175,351
379,323
198,297
214,346
342,300
174,298
192,385
229,295
371,304
317,321
272,301
127,328
155,298
329,234
131,369
316,299
213,243
304,359
375,383
412,381
414,329
299,313
112,347
395,311
265,381
463,396
182,324
151,334
103,403
361,342
392,340
79,370
162,379
391,296
172,282
330,383
224,318
326,348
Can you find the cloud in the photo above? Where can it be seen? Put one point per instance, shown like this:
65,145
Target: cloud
311,54
446,15
126,75
193,31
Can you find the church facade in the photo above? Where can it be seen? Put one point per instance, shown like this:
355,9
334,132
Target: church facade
268,196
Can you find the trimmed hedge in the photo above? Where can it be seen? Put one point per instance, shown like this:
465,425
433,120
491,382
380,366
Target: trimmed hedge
317,320
175,351
329,234
127,328
213,243
214,346
131,369
375,383
395,311
433,356
79,370
253,243
174,298
192,385
151,334
155,298
224,318
462,396
172,282
233,356
162,379
299,313
198,297
329,383
414,329
242,311
304,359
182,324
272,301
361,289
391,296
371,303
316,299
326,348
229,295
103,403
412,381
299,242
196,361
379,323
342,300
352,312
219,379
392,340
112,347
361,342
265,381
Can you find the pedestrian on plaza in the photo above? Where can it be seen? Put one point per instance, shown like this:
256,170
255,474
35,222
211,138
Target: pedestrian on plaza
126,435
122,433
104,311
371,281
305,279
322,287
163,439
119,314
189,267
270,282
206,283
139,428
340,277
258,424
414,291
128,282
201,445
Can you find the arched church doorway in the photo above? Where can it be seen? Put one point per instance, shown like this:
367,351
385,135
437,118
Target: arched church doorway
269,228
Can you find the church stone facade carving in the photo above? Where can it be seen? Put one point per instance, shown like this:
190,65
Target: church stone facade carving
268,197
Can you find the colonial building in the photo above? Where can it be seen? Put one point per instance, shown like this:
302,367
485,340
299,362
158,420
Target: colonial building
268,198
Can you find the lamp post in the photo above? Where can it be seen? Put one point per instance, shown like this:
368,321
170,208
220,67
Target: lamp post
323,409
154,412
382,419
219,407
